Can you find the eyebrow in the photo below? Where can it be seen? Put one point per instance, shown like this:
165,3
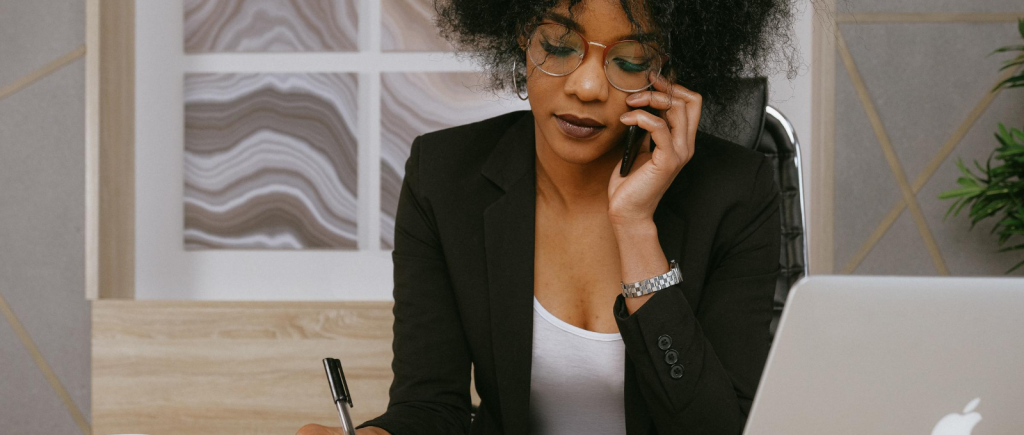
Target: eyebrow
570,23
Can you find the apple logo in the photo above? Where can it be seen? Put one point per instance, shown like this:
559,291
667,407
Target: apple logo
959,424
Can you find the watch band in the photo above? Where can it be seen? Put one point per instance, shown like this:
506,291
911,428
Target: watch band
651,285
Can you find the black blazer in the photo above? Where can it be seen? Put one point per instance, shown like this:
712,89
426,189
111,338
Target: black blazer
463,277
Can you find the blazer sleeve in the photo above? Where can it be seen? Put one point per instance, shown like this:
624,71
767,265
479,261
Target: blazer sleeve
431,365
720,348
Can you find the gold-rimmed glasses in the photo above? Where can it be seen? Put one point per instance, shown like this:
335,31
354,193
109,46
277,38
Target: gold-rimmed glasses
558,50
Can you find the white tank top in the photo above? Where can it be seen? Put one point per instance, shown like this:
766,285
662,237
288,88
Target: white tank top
576,379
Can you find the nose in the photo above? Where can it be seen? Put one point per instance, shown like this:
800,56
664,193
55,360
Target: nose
588,81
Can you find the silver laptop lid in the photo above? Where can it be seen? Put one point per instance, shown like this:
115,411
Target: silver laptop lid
888,355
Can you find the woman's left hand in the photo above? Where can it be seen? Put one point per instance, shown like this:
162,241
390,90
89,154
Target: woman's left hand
633,198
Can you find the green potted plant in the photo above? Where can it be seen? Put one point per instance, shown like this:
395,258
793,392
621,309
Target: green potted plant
998,189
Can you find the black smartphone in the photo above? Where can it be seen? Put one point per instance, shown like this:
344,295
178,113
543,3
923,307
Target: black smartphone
634,138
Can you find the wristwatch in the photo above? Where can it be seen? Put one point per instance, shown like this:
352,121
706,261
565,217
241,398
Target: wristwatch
651,285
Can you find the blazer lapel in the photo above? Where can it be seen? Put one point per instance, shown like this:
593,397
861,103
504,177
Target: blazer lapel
509,245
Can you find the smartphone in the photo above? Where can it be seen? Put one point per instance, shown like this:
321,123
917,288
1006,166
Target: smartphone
633,140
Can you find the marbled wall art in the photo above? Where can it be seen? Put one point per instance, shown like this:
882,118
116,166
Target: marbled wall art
417,103
270,25
409,26
270,161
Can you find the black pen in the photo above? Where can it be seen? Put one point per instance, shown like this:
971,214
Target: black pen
339,391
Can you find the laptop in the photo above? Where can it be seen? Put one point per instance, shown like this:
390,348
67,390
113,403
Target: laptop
895,355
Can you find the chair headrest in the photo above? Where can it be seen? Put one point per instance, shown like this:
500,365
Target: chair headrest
748,112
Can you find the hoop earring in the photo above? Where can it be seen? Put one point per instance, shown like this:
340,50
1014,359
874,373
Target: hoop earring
515,84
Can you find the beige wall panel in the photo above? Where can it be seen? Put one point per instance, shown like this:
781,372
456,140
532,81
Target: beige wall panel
922,97
900,252
27,403
865,188
34,33
41,246
162,367
925,105
928,6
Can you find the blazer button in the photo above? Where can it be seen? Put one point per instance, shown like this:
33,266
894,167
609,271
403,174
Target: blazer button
664,342
671,356
676,371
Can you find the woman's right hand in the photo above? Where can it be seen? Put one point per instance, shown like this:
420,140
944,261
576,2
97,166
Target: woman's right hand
316,429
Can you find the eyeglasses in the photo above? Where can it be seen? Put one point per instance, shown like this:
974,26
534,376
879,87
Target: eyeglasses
558,50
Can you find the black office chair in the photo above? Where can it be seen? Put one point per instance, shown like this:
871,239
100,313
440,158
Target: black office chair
761,127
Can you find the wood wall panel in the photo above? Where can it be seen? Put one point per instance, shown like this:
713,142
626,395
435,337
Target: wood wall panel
110,149
184,367
821,189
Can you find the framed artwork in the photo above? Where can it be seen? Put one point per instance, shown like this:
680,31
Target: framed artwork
270,139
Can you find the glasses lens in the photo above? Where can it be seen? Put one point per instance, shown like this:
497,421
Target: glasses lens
629,65
555,49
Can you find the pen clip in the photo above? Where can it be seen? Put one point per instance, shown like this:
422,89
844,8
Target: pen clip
336,377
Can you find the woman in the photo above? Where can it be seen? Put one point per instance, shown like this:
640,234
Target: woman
516,237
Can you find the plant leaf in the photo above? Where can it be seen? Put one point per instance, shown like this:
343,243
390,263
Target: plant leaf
956,193
968,182
964,203
1012,248
1008,48
1015,267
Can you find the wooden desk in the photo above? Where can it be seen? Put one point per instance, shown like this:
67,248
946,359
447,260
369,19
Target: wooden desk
199,367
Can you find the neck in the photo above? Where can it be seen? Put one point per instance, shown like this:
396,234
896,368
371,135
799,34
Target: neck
573,186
